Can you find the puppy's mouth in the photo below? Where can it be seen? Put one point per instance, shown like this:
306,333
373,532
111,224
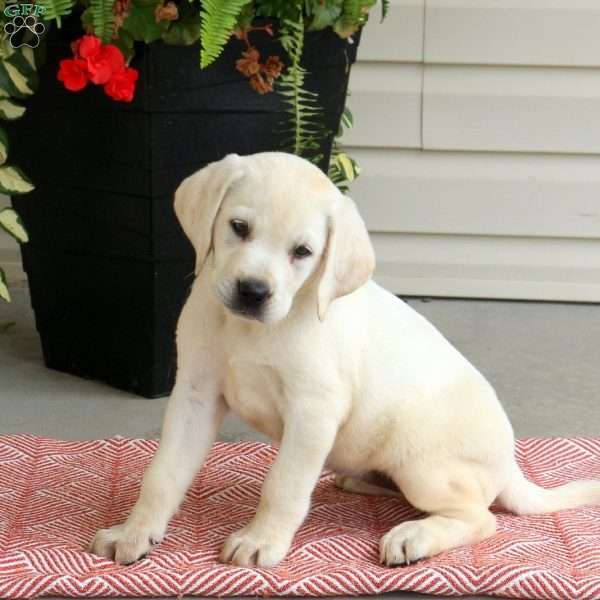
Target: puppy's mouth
246,312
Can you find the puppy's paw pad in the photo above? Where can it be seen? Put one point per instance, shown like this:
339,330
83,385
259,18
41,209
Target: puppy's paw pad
407,543
124,544
246,549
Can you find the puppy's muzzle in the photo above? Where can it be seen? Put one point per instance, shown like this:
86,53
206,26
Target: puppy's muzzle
252,295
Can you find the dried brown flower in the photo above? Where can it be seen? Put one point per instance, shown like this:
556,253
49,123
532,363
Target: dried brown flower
166,12
273,67
262,76
261,85
120,9
249,65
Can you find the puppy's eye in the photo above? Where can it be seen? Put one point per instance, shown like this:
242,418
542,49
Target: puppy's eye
240,228
302,252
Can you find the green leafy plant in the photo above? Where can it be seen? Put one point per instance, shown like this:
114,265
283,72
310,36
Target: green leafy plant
353,15
112,26
18,79
11,223
343,169
385,7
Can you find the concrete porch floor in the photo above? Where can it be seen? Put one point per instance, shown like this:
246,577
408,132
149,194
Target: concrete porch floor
542,358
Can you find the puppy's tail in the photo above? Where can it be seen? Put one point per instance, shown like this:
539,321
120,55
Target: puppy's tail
523,497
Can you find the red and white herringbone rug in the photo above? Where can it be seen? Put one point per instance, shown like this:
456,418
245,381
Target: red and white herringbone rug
54,495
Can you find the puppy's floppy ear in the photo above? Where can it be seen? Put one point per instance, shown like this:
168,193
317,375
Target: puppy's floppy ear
349,260
198,199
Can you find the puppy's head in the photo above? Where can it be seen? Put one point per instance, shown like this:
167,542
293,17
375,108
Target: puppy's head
271,227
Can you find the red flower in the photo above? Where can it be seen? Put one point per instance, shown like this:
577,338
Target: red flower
73,73
121,86
86,46
104,63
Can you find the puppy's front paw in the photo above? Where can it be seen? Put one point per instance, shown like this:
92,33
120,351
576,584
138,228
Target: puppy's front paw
407,543
124,543
247,548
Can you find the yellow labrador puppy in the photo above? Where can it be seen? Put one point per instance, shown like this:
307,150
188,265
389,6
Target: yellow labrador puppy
284,327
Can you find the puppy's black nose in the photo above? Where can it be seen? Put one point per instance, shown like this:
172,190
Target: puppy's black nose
253,292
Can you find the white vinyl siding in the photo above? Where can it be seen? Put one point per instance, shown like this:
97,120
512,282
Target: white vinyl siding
511,109
374,95
480,148
554,33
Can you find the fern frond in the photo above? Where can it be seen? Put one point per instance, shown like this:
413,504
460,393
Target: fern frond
304,128
219,18
103,19
55,9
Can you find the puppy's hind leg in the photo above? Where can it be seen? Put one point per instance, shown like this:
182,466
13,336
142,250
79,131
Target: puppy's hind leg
456,497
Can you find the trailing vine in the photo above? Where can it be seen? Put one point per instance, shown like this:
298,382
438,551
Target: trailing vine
303,125
385,7
18,79
343,169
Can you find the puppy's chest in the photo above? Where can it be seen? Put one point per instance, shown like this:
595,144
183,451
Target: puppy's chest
255,392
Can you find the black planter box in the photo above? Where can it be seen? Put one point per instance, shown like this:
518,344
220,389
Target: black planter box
108,265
